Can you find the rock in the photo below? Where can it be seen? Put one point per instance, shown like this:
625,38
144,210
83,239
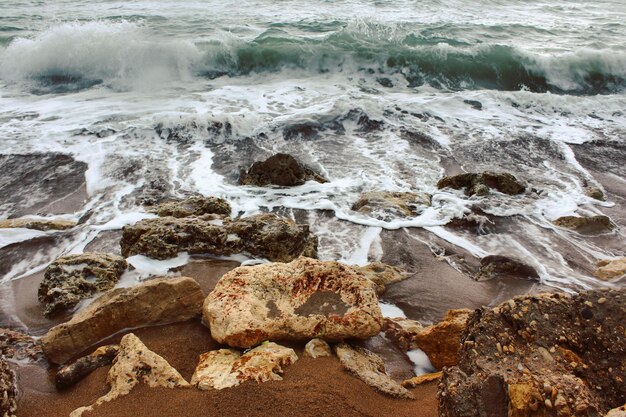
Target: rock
74,372
72,278
300,300
19,346
193,206
610,268
592,224
440,342
265,235
280,169
317,348
135,364
8,390
477,105
481,183
617,412
37,224
595,192
157,301
543,355
382,274
369,368
421,379
493,266
386,204
225,368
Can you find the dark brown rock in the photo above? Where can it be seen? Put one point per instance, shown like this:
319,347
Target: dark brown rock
591,224
280,169
493,266
544,355
480,183
193,206
74,372
72,278
8,390
266,235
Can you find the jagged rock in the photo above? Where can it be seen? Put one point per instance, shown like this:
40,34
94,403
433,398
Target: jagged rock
280,169
440,342
542,355
37,224
300,300
481,183
74,372
617,412
8,390
421,379
369,368
72,278
317,348
193,206
157,301
385,204
610,268
19,346
595,192
266,235
135,364
382,274
493,266
592,224
225,368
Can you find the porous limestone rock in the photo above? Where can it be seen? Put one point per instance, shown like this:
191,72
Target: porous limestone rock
265,235
74,372
369,368
280,169
317,348
225,368
610,268
193,206
37,223
299,300
382,274
8,390
591,224
135,364
493,266
386,204
617,412
550,355
440,342
72,278
19,346
480,183
157,301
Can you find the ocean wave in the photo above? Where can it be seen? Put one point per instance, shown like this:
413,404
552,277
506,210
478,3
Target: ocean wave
123,54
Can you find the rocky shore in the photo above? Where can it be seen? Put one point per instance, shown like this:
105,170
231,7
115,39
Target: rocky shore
299,336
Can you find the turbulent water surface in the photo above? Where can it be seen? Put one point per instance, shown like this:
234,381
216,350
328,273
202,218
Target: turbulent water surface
170,98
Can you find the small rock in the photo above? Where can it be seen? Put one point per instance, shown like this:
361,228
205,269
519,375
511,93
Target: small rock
19,346
493,266
317,348
386,204
610,268
135,364
74,372
194,206
592,224
595,192
421,379
474,103
476,183
280,169
37,224
72,278
369,368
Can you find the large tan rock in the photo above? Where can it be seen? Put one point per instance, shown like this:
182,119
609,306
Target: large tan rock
369,368
610,268
299,300
440,342
72,278
37,224
157,301
266,235
135,364
386,204
226,368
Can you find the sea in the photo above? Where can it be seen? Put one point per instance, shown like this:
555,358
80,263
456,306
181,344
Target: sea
166,99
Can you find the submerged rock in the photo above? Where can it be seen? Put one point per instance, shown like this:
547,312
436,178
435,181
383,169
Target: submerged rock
610,268
592,224
157,301
384,204
74,372
8,390
543,355
595,193
440,342
37,224
493,266
72,278
300,300
226,368
135,364
477,105
265,235
193,206
480,183
19,346
369,368
280,169
317,348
